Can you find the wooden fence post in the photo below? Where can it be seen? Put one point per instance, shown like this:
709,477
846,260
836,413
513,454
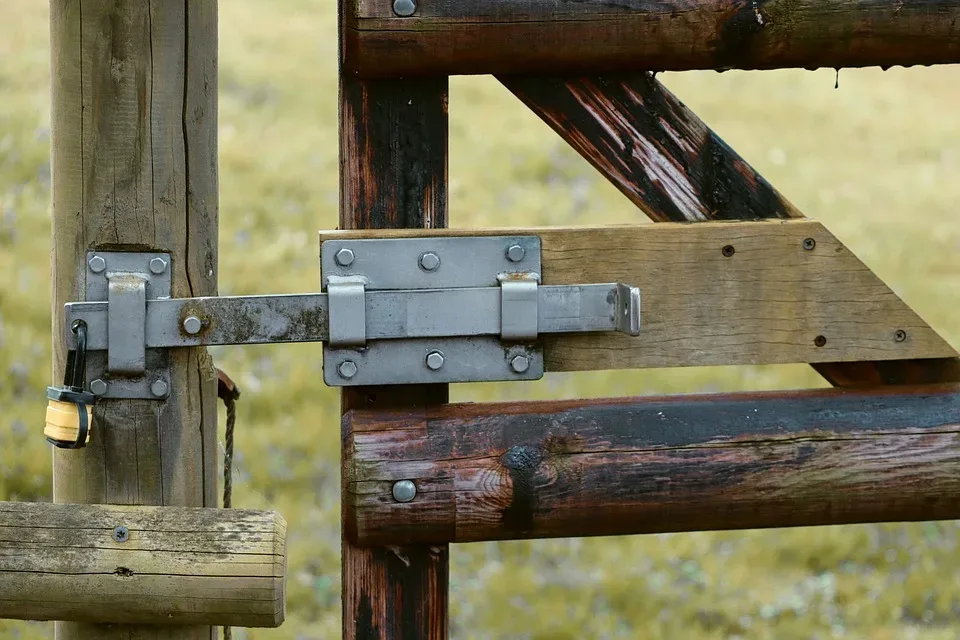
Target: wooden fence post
134,150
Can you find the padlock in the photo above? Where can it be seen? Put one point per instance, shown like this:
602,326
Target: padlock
69,407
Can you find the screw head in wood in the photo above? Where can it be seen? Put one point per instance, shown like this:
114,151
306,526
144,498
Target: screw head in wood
515,253
820,341
159,388
347,369
434,360
809,244
728,251
520,364
97,264
404,491
404,8
121,534
98,387
344,257
192,325
900,335
429,261
158,266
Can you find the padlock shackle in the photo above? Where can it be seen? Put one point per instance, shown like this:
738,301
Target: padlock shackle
77,360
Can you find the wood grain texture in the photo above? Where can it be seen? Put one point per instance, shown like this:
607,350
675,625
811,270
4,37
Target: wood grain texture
134,150
547,37
767,303
393,174
675,168
655,464
179,565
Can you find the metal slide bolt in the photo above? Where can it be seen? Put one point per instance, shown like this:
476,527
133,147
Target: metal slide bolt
404,491
404,8
344,257
97,264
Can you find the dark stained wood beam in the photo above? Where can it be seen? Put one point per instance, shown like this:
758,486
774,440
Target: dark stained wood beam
653,464
669,163
450,37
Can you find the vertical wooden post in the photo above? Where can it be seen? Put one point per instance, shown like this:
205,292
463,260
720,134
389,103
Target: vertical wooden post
393,174
134,146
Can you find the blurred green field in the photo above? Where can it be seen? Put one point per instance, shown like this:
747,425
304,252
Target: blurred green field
876,160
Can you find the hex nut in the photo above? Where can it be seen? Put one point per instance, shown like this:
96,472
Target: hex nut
404,491
159,388
347,369
520,364
344,257
515,253
429,261
98,387
434,360
192,325
404,8
158,266
97,264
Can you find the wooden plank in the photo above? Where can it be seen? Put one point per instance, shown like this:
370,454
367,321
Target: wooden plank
134,133
393,173
655,464
675,168
177,566
771,301
547,37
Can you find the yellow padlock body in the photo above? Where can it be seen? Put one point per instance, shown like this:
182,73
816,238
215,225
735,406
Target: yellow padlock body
63,421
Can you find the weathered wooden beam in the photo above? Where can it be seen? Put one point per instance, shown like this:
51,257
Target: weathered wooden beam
669,163
134,150
724,293
393,173
142,565
650,465
546,36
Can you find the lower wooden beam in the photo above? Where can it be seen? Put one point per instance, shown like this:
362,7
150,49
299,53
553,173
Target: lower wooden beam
651,465
142,565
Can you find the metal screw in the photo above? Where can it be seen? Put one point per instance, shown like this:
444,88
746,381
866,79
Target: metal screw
404,491
347,369
97,264
344,257
429,261
404,8
158,266
900,335
820,341
728,251
434,360
809,244
121,534
98,387
159,388
515,253
192,325
520,364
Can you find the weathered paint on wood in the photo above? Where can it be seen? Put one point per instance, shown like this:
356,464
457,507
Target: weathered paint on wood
724,293
452,37
134,149
393,173
177,565
674,168
649,464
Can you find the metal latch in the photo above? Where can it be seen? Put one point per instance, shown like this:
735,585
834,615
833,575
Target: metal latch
391,311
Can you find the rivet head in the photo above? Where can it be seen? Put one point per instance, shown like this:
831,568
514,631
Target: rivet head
98,387
434,360
159,388
121,534
344,257
515,253
404,8
429,261
192,325
404,491
347,369
97,264
158,266
520,364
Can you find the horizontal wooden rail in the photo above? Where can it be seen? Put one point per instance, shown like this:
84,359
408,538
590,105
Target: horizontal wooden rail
164,565
646,465
450,37
724,293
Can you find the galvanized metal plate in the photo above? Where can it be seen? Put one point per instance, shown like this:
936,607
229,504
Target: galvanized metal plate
430,262
476,359
158,284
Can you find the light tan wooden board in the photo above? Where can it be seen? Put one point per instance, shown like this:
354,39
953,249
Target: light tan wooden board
767,303
179,565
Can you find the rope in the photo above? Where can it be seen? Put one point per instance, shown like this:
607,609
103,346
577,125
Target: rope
229,392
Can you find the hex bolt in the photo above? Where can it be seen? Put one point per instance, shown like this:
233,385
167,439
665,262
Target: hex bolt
344,257
98,387
404,491
158,266
192,325
97,264
809,244
429,261
347,369
434,360
121,534
515,253
159,388
404,8
520,364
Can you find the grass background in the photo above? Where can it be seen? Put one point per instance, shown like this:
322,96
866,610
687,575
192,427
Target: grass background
876,160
